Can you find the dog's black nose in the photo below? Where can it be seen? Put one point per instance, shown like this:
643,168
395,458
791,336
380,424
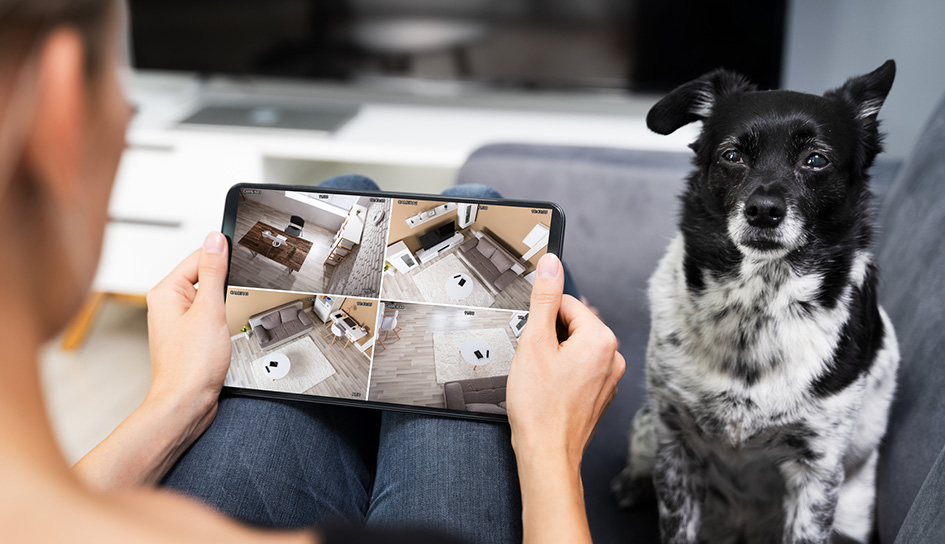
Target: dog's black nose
765,211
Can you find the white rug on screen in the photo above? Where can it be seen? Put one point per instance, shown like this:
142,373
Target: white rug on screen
450,364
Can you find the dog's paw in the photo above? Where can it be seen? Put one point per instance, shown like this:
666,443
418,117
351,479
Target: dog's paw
630,492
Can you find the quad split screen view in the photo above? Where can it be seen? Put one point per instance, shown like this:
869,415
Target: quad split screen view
415,302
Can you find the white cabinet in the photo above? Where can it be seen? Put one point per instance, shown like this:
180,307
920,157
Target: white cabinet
400,257
467,214
322,307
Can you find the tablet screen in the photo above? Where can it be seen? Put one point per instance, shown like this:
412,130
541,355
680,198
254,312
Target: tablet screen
394,299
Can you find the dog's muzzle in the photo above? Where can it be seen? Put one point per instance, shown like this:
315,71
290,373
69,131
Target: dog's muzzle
765,226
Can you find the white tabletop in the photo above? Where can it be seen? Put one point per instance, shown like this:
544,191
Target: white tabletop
457,291
275,366
469,348
352,333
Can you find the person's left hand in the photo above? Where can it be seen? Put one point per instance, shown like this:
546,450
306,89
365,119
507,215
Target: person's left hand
188,334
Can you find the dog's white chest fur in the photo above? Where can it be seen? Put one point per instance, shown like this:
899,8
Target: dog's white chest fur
731,371
762,326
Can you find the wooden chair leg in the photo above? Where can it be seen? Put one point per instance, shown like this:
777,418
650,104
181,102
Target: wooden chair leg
381,342
346,343
395,333
80,326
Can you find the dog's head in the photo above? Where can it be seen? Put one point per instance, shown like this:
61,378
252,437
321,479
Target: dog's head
777,170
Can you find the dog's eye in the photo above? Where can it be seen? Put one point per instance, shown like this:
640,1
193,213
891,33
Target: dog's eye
816,161
733,156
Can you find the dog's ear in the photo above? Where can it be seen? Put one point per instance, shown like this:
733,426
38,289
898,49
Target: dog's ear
695,100
865,94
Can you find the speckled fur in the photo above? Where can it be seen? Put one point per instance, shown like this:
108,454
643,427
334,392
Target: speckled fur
769,373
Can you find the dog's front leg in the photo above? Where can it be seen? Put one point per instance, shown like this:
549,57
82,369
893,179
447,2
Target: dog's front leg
679,485
811,501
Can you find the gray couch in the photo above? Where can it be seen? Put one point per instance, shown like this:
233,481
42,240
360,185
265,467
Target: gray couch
621,208
485,395
490,261
281,324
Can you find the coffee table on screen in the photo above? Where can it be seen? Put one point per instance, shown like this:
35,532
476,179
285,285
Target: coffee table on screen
275,366
459,286
476,352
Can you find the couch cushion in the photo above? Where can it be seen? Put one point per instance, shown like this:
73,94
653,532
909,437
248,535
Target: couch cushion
611,269
500,261
485,408
482,265
288,314
294,327
485,247
262,335
271,321
278,332
912,291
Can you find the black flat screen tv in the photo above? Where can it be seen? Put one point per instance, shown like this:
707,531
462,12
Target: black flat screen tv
434,237
615,45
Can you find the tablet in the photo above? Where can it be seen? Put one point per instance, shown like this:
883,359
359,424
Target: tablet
383,300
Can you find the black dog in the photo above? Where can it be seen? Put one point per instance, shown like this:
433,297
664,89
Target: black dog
770,365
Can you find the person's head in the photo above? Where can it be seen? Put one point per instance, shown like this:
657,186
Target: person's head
62,127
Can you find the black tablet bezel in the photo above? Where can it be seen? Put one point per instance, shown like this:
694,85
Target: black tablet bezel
555,246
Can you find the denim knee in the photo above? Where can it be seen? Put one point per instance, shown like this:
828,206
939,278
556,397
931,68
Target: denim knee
472,190
354,182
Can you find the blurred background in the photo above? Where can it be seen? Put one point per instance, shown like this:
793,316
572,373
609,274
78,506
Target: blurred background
406,91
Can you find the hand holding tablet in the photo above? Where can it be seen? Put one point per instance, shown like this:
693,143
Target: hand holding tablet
396,301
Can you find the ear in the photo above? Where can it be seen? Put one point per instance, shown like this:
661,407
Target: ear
54,142
693,101
865,94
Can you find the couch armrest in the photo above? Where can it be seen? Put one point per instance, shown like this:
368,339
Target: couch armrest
505,279
306,319
469,244
453,395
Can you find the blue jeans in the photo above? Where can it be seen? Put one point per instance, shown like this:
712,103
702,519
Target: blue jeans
283,464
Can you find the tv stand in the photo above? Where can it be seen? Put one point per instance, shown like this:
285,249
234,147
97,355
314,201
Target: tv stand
427,255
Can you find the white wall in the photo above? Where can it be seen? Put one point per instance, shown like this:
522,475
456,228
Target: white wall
828,41
311,213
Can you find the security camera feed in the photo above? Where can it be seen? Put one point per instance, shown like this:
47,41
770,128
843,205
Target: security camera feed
404,301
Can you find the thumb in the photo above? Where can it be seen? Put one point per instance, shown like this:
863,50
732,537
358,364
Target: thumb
546,296
211,273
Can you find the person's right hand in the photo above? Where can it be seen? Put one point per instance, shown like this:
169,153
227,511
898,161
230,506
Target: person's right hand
558,391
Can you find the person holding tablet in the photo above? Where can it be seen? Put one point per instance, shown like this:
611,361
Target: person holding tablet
62,123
